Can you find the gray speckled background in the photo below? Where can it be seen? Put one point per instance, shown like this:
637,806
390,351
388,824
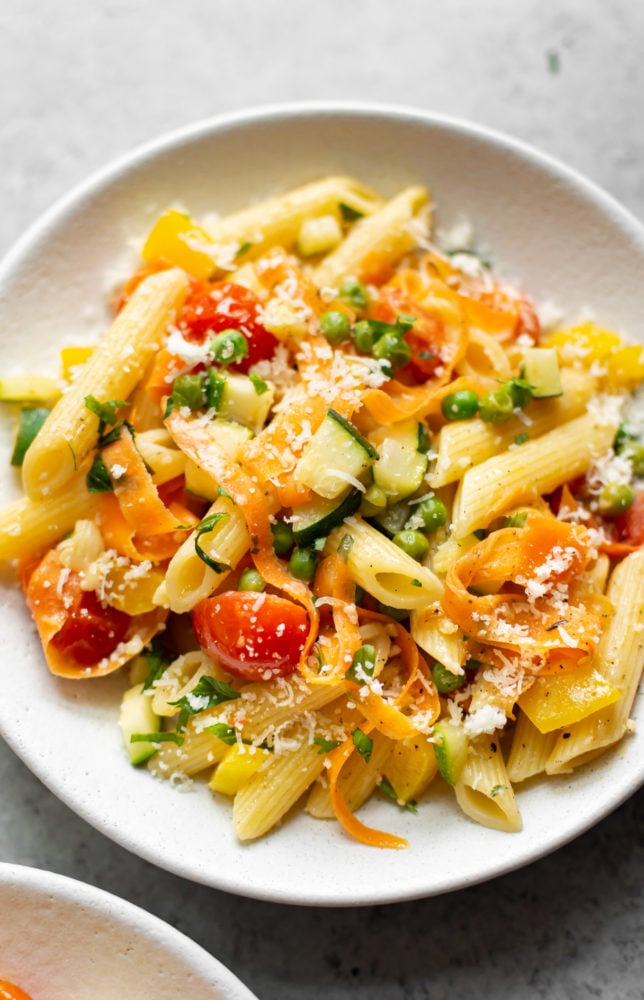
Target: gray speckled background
81,83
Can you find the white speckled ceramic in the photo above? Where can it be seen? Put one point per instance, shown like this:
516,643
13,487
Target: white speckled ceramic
63,940
543,226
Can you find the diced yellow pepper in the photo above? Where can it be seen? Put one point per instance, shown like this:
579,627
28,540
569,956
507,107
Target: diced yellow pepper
29,389
411,767
236,768
73,358
586,343
129,590
177,240
559,700
625,368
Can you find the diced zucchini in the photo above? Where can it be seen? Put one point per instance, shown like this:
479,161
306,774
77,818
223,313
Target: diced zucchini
29,389
318,517
232,436
336,456
541,369
319,235
237,398
138,716
451,748
401,467
393,519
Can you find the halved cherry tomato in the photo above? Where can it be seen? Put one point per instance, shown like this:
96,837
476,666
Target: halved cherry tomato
91,632
629,526
254,636
209,309
10,992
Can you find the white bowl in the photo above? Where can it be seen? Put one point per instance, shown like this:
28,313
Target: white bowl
544,226
63,940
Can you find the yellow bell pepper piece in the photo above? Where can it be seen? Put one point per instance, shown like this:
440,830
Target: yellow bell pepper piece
237,767
411,767
625,368
177,240
559,700
73,358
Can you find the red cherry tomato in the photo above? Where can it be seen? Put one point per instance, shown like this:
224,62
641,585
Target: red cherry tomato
209,309
91,632
254,636
10,992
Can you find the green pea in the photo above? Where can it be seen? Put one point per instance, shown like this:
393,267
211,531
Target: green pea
335,326
283,540
303,563
251,579
229,346
615,498
188,390
354,293
392,349
433,512
445,680
634,452
461,405
363,663
364,336
412,542
496,406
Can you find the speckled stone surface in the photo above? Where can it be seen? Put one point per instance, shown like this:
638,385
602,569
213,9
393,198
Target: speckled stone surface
83,83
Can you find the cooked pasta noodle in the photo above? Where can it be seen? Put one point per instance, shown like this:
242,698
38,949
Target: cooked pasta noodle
349,514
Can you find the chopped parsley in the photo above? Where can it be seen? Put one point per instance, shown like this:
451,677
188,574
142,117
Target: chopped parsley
106,412
207,693
362,743
98,478
348,213
203,528
259,384
157,738
496,791
326,746
158,659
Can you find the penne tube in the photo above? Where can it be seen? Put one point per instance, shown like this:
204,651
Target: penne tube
383,569
112,372
380,240
439,637
530,750
484,791
463,444
189,579
540,466
27,526
619,657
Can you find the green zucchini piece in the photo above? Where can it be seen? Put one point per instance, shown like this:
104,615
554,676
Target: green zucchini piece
336,455
450,750
541,369
318,517
401,467
138,716
235,396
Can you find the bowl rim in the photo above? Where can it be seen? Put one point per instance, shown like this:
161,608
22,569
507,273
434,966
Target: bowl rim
144,153
127,915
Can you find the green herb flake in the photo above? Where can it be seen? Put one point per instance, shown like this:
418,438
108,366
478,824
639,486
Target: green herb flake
517,520
344,546
207,693
98,478
243,248
326,746
106,412
157,738
203,528
259,384
362,743
385,788
348,213
227,734
31,420
496,791
158,660
416,583
521,439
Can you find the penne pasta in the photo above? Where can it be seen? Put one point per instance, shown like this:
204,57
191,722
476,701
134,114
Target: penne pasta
349,515
111,372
